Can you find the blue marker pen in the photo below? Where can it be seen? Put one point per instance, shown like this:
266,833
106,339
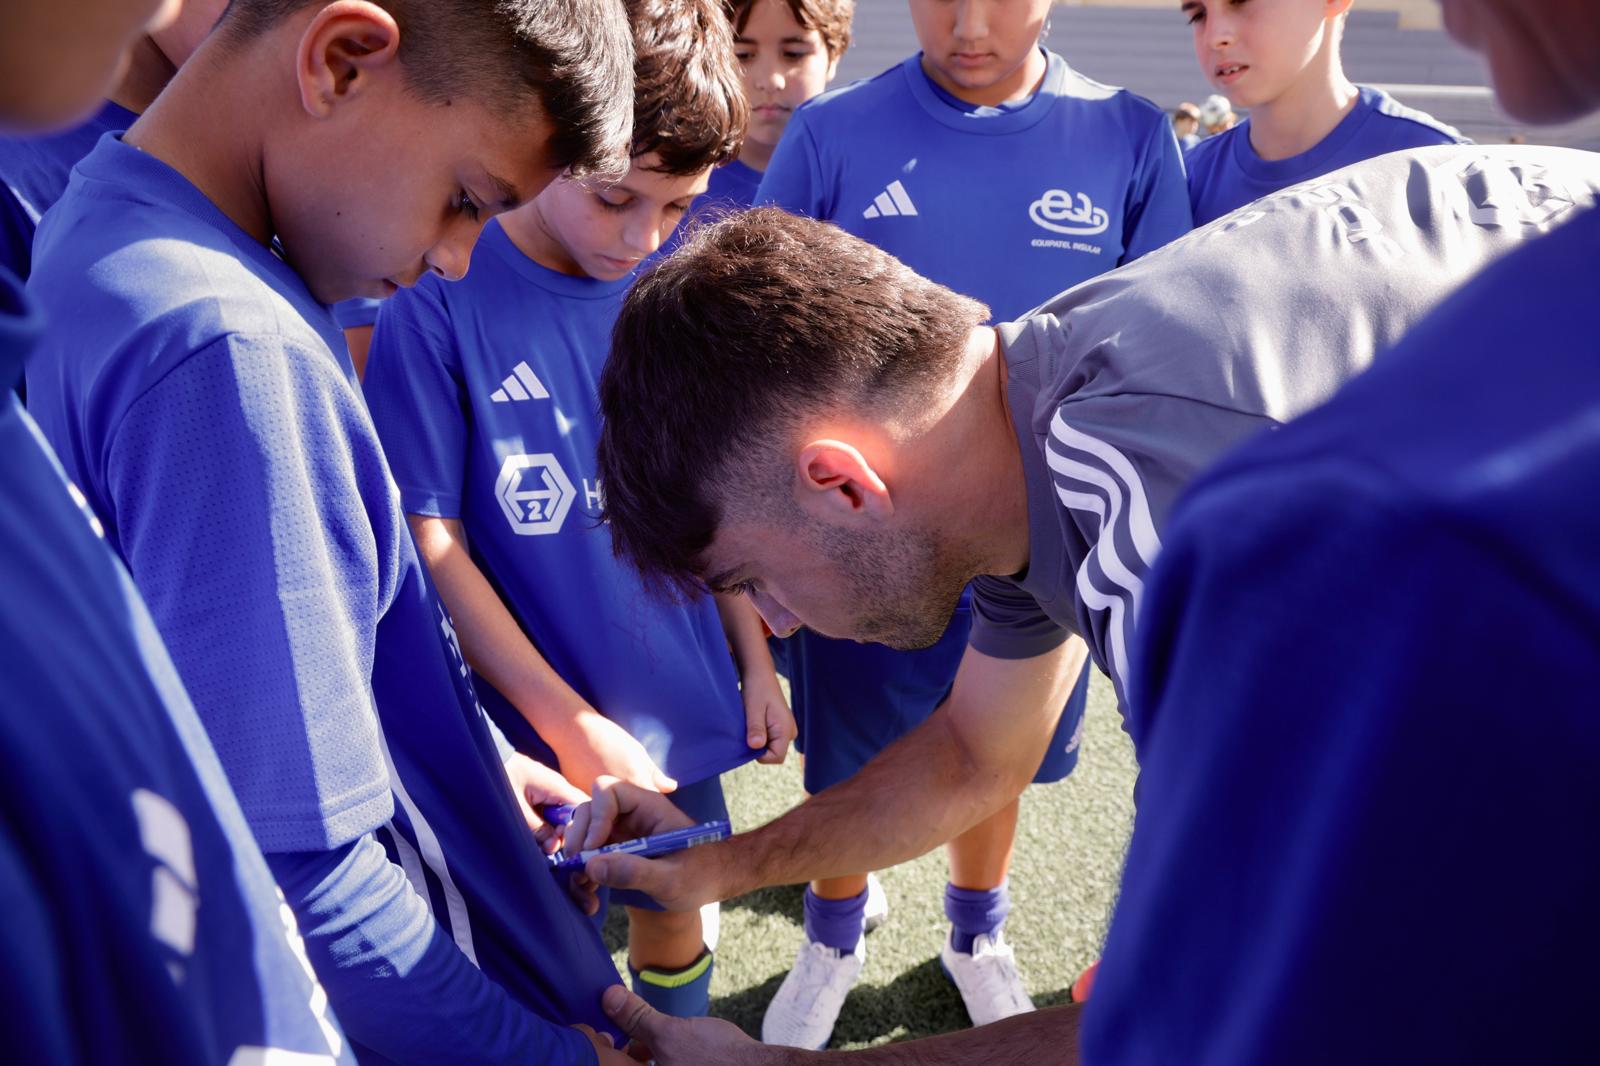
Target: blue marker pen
652,846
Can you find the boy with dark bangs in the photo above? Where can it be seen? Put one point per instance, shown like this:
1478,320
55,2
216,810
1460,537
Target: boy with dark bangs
198,392
484,394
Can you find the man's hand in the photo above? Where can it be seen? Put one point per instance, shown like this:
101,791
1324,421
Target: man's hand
590,745
769,723
621,811
686,1041
536,785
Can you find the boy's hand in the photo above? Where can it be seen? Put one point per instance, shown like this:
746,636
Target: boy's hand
535,785
594,746
769,723
619,811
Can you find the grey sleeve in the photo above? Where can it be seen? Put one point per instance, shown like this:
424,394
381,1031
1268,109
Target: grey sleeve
1008,623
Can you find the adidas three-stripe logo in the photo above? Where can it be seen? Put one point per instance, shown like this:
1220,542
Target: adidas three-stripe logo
891,203
521,384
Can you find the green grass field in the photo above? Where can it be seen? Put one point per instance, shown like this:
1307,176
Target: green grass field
1070,844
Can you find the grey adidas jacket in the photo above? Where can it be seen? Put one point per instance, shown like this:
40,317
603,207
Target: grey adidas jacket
1123,388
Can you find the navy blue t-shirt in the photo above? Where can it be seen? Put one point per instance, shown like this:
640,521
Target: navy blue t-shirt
1225,172
485,394
1007,205
203,400
1365,708
139,920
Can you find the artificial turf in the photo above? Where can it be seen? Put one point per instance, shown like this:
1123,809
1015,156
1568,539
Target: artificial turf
1070,842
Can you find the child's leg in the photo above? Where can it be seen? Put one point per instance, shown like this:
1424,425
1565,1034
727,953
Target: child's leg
667,955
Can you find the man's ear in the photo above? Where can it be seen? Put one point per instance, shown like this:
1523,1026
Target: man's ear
343,44
836,483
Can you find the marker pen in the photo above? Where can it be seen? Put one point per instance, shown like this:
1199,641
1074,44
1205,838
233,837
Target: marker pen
652,846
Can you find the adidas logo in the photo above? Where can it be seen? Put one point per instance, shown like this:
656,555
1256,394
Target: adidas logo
891,202
521,384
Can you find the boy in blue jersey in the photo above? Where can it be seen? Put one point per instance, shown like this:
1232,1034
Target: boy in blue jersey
484,395
788,52
140,922
1075,178
197,391
1279,59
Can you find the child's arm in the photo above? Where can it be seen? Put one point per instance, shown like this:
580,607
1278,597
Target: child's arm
769,723
586,743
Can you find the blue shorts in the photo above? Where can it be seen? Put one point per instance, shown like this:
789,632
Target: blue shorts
853,700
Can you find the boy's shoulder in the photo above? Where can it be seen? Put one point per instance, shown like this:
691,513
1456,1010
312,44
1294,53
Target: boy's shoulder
1417,128
133,250
1075,85
845,102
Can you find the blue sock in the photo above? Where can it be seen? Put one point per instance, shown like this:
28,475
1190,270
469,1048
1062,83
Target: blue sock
973,912
684,993
836,923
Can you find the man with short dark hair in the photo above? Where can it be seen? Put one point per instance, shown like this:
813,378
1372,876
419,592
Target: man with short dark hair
1358,868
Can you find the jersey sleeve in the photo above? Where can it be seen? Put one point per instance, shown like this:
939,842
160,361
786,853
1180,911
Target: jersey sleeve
252,507
417,393
399,982
1345,787
1008,623
794,179
1158,208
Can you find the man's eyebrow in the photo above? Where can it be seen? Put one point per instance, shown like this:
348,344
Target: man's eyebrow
510,197
1189,5
720,582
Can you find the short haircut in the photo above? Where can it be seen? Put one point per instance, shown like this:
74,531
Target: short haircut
689,106
757,322
573,57
830,18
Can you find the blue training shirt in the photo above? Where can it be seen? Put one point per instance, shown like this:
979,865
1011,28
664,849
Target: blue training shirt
37,168
203,400
1225,172
139,920
485,394
1007,205
1365,712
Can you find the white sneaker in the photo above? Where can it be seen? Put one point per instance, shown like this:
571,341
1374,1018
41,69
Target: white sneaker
711,925
877,911
987,979
809,1000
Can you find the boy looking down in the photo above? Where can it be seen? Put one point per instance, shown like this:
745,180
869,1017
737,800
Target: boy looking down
1280,60
199,394
140,922
484,393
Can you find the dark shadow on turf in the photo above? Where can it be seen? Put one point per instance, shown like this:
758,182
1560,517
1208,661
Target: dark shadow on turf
745,1009
787,901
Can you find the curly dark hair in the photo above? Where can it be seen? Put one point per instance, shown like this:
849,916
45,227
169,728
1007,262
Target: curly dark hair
688,106
830,18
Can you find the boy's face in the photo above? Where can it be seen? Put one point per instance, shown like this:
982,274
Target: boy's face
1254,50
978,44
179,40
58,60
605,231
1544,55
784,65
391,188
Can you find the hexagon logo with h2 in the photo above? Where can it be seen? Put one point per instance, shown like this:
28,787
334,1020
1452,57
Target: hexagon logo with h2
535,493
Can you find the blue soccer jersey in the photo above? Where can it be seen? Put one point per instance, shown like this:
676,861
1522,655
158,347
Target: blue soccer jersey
1225,173
140,922
484,392
732,185
201,398
1365,714
1009,206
